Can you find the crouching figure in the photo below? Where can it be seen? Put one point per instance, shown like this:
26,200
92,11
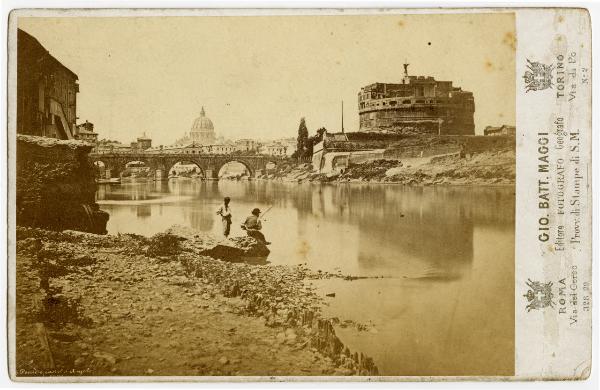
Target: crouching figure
252,226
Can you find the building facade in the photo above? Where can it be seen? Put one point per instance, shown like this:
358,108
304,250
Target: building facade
85,132
502,130
221,149
290,144
193,148
107,147
274,149
245,145
144,142
46,91
417,105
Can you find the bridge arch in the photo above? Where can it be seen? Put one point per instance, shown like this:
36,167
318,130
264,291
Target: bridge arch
112,168
104,162
172,163
217,169
271,163
101,169
135,167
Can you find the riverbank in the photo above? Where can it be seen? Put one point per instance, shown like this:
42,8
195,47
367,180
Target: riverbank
486,168
131,305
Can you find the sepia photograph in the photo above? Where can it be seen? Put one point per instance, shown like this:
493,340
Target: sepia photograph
300,195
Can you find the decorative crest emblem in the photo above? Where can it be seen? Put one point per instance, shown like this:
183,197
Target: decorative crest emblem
539,295
538,76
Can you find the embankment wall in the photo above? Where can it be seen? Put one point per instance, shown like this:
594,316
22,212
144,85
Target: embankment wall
425,146
55,186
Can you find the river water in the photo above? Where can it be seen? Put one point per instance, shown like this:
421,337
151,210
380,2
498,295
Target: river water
445,304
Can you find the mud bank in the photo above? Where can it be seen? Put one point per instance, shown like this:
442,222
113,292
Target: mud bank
486,168
131,305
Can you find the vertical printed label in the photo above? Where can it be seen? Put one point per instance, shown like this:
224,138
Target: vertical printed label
553,251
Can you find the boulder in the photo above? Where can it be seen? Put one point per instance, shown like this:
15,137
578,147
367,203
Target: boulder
234,249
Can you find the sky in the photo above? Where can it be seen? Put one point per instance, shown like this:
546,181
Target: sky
257,76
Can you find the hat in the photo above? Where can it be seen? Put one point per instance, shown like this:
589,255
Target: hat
256,211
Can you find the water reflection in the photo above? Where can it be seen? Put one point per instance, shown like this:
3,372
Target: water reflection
447,306
143,211
360,229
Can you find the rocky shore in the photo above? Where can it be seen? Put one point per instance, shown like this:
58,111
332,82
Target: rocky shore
486,168
131,305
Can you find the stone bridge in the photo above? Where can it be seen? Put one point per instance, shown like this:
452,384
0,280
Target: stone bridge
210,165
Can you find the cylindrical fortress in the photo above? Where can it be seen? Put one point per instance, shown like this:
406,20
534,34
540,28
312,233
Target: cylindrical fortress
417,105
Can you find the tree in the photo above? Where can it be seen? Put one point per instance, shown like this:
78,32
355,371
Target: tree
313,140
310,143
320,134
302,138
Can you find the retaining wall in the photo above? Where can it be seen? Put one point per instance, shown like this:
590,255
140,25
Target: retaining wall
55,186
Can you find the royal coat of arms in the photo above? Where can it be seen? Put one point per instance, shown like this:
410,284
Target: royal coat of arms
539,295
538,76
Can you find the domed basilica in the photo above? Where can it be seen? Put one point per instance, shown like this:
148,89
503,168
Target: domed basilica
201,133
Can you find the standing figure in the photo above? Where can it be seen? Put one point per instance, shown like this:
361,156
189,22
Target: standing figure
252,226
225,212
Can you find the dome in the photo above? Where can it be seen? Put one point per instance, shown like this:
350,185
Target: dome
202,122
202,130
